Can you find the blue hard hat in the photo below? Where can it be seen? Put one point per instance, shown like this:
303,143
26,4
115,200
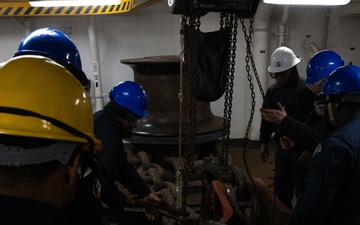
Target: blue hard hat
321,65
344,80
131,96
57,46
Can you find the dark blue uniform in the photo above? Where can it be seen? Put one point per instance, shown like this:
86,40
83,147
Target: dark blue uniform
332,193
109,130
86,208
309,134
306,136
20,211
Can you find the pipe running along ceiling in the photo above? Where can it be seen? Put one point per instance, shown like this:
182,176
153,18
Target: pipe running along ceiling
21,8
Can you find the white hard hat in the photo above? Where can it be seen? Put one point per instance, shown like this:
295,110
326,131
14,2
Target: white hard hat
282,59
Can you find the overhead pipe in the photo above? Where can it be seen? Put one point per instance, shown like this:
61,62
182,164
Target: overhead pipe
27,25
98,92
261,58
334,18
282,26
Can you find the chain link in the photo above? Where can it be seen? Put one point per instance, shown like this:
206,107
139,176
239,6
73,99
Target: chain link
178,174
250,59
190,30
263,96
248,39
231,22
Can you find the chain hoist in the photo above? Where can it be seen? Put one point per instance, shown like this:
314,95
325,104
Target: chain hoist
190,30
249,56
190,34
248,39
178,174
249,59
230,21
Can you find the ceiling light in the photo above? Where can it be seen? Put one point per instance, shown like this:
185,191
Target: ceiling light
307,2
45,3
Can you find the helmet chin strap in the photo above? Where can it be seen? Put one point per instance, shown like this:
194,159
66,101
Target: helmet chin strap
331,114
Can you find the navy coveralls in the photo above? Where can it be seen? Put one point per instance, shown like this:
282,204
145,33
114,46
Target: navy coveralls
306,136
109,130
332,192
20,211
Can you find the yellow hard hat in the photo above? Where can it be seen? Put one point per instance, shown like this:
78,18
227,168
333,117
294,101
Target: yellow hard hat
40,98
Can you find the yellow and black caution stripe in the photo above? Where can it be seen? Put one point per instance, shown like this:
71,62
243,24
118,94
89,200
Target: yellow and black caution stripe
14,9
